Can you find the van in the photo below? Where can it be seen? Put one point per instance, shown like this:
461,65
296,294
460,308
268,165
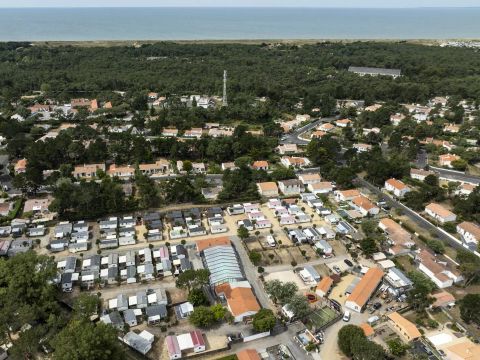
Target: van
271,241
346,316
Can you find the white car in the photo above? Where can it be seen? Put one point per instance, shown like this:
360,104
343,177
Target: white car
346,316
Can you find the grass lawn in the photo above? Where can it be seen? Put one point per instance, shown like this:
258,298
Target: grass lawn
440,317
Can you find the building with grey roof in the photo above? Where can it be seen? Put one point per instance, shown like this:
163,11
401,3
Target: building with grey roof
130,317
222,262
155,313
137,342
372,71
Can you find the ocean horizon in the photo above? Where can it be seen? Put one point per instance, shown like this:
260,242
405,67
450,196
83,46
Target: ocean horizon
237,23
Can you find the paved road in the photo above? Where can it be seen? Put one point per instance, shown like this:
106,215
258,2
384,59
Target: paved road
294,137
251,273
417,219
451,175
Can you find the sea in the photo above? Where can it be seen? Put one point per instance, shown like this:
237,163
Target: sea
95,24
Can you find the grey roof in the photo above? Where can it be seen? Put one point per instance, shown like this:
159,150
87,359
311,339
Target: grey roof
375,71
108,244
112,272
312,272
131,271
112,260
137,342
70,264
185,264
223,264
108,223
214,211
403,278
152,216
129,315
154,310
122,301
116,318
19,246
64,228
142,298
352,285
66,278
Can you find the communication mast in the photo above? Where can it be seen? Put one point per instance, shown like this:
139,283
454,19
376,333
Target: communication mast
225,101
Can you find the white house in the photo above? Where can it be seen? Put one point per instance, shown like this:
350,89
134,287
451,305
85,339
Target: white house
364,206
439,213
290,187
420,174
397,187
469,231
324,187
441,272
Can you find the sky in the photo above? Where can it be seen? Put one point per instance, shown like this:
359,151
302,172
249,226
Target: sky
222,3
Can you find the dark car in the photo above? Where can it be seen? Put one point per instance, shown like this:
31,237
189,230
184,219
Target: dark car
348,262
377,306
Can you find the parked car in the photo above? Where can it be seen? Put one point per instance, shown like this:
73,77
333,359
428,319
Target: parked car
348,262
346,316
337,269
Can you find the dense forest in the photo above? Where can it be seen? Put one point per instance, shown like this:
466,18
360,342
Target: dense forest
283,73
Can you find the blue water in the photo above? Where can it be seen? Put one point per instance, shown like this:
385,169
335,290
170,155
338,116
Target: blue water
237,23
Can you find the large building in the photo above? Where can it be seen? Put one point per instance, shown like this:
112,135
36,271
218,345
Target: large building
362,71
364,290
240,299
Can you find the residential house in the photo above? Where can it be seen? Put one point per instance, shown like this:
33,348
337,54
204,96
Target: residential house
403,327
399,239
317,134
139,342
268,189
324,286
324,187
343,123
310,179
470,233
447,159
287,149
193,133
170,132
296,162
291,187
364,290
439,213
396,119
20,166
438,269
364,206
87,171
361,148
241,301
420,174
326,127
156,313
346,195
397,187
114,319
260,165
123,172
465,189
161,166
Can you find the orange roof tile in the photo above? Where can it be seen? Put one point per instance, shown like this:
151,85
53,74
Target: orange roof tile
325,284
367,329
248,354
239,299
268,186
363,202
407,326
439,210
366,287
397,184
208,243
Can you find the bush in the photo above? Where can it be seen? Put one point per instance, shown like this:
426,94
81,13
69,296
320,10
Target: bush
255,257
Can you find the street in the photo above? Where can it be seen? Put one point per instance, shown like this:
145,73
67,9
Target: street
412,215
294,137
